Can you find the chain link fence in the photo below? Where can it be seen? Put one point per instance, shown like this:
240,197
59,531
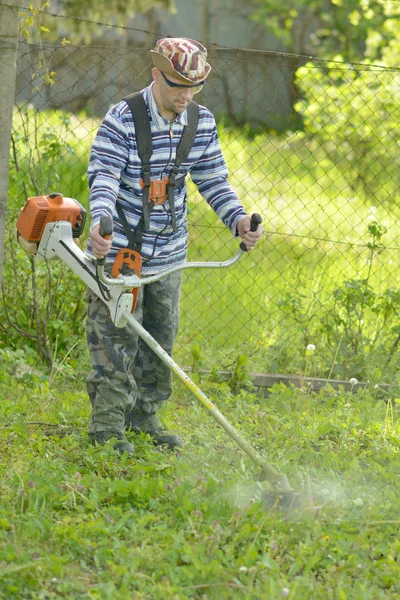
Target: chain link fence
311,145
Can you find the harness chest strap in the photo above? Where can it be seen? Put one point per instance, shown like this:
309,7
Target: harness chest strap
158,192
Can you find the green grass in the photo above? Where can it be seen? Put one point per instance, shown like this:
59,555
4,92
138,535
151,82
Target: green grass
79,522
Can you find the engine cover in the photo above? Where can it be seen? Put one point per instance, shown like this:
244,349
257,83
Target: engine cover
41,210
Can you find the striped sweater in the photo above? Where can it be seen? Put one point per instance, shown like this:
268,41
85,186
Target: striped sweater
115,172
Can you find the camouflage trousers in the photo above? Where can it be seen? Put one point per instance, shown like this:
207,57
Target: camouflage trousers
128,379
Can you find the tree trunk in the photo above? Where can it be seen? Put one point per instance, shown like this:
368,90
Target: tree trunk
9,20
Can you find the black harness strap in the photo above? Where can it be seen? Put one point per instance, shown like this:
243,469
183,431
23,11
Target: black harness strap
141,120
182,152
134,242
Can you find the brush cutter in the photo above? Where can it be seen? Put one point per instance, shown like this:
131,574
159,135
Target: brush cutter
47,227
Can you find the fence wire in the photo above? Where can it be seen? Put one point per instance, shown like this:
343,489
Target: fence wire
312,146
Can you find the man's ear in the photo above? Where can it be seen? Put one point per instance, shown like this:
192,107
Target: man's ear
156,74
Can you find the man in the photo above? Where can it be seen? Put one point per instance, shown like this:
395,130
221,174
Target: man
129,383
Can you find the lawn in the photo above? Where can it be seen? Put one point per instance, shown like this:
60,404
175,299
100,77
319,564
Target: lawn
79,522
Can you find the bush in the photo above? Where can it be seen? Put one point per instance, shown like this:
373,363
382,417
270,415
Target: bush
353,113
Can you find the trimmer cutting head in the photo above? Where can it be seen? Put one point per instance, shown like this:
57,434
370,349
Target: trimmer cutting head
279,494
286,502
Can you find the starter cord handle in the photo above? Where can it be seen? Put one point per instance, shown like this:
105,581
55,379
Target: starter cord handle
255,221
106,229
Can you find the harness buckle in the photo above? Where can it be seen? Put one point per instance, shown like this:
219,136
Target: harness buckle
158,193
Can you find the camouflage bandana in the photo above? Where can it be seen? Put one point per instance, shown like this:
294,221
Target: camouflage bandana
182,58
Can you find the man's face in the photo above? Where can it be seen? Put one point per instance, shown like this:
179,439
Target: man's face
175,98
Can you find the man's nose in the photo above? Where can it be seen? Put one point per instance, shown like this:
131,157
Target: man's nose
187,94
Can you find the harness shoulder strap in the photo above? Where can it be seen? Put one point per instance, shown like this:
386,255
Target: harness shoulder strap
188,135
182,152
141,120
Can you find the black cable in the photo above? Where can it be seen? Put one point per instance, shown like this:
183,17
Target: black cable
146,260
105,292
170,147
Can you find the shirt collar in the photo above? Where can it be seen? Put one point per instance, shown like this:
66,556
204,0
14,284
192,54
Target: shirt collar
157,119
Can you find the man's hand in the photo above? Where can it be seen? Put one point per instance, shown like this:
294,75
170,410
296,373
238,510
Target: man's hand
249,238
100,246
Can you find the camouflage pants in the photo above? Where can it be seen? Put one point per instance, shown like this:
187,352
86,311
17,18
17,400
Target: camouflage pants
127,376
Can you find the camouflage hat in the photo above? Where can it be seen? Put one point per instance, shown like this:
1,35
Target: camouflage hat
182,58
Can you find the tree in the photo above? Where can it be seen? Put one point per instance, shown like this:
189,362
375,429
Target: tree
8,37
391,31
325,29
86,18
352,111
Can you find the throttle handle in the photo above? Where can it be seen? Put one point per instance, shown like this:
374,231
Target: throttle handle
105,230
255,221
106,226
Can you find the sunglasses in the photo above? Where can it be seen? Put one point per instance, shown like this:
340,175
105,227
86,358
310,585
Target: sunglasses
196,88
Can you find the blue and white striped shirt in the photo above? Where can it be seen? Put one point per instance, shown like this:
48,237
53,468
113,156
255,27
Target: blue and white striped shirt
115,171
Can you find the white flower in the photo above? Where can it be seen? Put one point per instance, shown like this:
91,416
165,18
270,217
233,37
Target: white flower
310,348
285,592
353,381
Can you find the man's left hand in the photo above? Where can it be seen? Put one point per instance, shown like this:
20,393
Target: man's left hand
249,238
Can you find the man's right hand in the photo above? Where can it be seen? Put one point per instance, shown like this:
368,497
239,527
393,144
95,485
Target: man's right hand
100,246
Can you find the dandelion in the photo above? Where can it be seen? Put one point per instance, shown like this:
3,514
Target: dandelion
285,592
309,351
353,381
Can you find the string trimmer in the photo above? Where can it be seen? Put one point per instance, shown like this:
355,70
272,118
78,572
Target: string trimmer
47,227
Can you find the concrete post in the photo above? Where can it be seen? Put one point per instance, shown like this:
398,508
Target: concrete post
9,21
205,28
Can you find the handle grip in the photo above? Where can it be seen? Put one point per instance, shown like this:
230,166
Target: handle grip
255,221
106,229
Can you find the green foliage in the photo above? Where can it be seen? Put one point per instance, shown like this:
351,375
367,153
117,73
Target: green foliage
86,20
355,325
353,114
387,38
80,522
43,305
239,378
325,29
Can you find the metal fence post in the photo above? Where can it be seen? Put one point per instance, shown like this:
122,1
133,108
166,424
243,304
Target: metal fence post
9,20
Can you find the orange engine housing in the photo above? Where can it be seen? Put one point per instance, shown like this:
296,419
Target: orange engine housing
41,210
